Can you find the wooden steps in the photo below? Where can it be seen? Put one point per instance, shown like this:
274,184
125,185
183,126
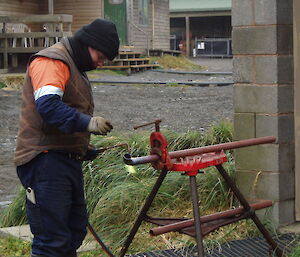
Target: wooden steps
130,61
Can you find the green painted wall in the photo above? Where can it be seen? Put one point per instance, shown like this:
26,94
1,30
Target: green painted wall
117,14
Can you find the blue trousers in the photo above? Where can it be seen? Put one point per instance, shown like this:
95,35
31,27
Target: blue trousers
58,219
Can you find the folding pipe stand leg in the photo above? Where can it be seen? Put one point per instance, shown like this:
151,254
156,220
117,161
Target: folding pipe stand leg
197,216
143,212
247,207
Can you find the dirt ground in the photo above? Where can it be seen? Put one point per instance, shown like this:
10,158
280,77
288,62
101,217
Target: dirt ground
181,108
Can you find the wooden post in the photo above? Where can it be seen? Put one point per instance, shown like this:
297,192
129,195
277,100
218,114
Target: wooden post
50,7
187,35
14,60
5,54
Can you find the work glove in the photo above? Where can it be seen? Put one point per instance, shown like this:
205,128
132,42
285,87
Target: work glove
99,126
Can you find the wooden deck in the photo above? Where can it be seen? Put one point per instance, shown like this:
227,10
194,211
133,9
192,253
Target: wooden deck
17,38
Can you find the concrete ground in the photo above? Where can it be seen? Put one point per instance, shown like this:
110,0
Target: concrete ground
23,233
292,228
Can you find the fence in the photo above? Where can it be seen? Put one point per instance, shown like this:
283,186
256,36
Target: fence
213,47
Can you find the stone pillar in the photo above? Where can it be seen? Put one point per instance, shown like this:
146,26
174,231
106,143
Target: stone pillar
262,39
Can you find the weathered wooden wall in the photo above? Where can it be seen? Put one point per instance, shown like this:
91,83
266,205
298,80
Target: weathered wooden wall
83,11
22,7
161,25
158,29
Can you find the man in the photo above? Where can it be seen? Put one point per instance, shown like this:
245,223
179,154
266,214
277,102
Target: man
55,125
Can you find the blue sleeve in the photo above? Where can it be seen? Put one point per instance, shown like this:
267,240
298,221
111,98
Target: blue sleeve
65,118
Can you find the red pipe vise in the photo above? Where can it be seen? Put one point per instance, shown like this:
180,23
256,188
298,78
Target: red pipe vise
189,164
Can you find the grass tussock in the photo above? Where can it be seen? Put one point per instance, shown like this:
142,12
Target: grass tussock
295,252
14,215
169,62
115,192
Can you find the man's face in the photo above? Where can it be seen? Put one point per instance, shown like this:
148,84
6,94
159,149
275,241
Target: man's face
98,57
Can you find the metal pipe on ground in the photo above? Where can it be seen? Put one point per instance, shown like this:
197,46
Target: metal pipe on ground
191,83
195,72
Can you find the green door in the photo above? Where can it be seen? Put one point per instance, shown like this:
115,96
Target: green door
116,12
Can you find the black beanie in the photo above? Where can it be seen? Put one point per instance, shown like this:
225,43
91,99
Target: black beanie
101,35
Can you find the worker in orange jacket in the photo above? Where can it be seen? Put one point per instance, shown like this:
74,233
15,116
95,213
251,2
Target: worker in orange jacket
54,132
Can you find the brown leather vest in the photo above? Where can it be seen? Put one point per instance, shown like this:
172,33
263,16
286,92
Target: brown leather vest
36,136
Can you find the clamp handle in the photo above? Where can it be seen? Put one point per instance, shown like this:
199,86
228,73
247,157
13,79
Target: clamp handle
156,122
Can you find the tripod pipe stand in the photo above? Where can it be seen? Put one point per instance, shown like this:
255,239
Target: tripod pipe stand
189,162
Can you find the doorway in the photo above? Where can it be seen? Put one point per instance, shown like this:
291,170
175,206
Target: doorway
115,11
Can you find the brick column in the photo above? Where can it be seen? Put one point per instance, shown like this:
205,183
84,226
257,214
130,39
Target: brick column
262,41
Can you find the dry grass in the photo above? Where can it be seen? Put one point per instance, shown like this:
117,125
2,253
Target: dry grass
12,81
169,62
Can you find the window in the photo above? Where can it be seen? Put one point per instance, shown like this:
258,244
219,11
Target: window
143,12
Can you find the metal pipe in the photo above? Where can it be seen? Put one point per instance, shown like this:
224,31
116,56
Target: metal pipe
207,218
200,150
195,72
190,83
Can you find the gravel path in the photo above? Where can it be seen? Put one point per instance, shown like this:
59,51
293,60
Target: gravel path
181,108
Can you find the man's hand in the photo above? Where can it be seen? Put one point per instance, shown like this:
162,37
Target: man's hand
99,126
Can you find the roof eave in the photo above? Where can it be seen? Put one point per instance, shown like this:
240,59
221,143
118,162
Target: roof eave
200,10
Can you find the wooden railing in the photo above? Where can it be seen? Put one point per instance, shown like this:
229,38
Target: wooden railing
17,37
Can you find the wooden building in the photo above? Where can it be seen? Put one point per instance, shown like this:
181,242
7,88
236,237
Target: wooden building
142,24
